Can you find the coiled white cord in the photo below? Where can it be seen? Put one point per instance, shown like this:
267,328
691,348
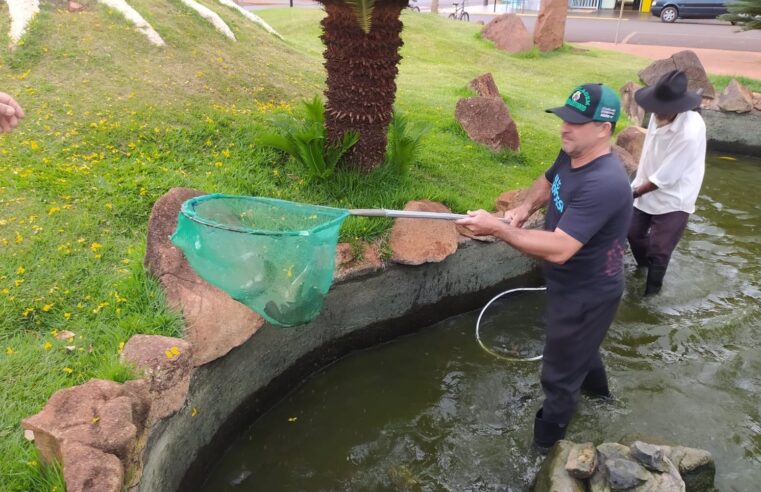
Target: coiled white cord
478,326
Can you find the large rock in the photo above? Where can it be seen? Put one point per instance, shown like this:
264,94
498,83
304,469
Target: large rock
650,456
86,469
549,30
582,460
418,241
351,264
736,97
629,105
630,164
508,33
689,63
215,323
666,481
632,138
625,474
757,101
487,121
696,466
167,364
100,414
484,86
552,476
508,200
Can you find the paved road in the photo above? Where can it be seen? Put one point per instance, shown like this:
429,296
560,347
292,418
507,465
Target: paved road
635,28
688,34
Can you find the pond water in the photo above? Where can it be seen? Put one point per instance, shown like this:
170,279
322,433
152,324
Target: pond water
434,411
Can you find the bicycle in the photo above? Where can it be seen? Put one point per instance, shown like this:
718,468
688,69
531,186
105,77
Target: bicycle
459,12
412,7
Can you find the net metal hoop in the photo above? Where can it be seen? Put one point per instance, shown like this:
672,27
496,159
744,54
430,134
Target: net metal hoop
188,209
478,327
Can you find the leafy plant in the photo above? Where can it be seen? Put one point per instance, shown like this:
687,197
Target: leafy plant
307,142
363,10
403,143
747,13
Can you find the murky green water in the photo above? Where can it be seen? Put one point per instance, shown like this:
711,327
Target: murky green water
433,411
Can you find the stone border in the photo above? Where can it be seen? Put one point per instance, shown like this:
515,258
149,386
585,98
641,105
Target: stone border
739,133
227,394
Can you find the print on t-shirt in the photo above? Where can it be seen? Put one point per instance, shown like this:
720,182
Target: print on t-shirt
559,205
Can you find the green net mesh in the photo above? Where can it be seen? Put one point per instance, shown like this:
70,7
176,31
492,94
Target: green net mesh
274,256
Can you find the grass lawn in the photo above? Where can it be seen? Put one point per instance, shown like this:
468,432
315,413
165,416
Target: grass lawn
113,123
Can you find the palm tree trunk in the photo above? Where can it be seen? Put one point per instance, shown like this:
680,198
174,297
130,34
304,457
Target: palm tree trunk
361,71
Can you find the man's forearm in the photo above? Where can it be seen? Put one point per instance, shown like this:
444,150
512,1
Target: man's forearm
537,195
645,187
552,246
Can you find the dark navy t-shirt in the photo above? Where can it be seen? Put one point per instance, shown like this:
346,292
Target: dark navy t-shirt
592,204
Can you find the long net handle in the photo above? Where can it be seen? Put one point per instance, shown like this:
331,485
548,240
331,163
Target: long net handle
407,214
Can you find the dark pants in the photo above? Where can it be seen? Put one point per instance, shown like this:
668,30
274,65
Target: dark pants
575,331
654,237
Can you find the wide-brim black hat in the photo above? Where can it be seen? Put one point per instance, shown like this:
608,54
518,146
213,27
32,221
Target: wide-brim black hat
669,95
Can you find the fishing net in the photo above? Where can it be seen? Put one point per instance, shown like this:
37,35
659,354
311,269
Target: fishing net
274,256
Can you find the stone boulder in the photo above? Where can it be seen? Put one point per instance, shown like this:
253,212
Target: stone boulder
75,7
508,33
630,165
757,101
629,105
549,30
696,466
582,460
736,98
103,415
86,469
689,63
418,241
484,86
632,138
349,264
215,323
167,364
487,120
552,475
511,199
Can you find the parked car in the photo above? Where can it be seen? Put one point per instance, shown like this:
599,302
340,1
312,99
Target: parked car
671,10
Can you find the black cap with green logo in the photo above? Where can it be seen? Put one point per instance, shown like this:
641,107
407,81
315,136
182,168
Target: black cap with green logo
589,102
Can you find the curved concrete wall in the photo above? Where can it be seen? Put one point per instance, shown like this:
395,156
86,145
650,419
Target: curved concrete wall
229,393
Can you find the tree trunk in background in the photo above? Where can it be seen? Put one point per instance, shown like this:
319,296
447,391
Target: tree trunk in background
361,70
435,7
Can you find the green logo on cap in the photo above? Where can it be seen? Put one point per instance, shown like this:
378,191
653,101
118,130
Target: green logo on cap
579,99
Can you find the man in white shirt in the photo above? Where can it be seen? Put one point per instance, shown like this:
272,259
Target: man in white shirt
669,176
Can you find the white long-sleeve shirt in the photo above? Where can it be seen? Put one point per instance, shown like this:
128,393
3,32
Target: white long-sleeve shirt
673,158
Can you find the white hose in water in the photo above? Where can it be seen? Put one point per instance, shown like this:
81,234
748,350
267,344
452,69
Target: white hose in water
478,326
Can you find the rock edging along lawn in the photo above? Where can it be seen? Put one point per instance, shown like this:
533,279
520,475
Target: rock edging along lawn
163,431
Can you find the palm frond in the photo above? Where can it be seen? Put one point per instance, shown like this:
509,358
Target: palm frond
363,9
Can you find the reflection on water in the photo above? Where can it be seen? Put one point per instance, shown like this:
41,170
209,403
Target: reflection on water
433,411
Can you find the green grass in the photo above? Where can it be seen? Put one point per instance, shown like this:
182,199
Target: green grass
114,122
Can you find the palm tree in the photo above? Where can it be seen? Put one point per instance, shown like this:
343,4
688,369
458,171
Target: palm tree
362,41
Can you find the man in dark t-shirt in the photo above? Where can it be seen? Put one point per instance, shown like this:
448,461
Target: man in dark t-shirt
589,202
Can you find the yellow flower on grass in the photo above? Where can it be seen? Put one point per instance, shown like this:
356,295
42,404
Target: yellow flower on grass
20,271
9,351
19,238
109,206
68,370
27,312
19,281
67,316
121,348
94,247
53,210
47,307
47,346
